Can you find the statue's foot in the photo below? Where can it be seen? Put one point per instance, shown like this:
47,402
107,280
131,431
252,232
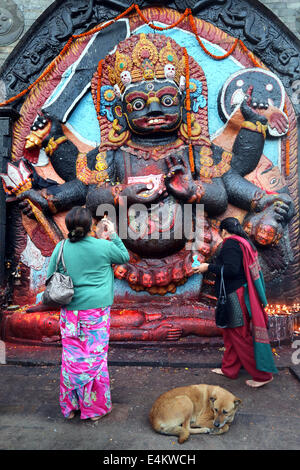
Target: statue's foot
41,308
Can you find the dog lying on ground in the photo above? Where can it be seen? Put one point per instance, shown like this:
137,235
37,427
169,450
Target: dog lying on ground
194,409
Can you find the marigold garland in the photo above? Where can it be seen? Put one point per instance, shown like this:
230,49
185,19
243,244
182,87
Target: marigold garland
62,52
99,87
287,147
250,54
188,109
160,28
216,57
99,28
187,13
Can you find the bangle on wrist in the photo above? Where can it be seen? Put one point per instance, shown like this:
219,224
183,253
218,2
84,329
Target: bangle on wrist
256,127
256,199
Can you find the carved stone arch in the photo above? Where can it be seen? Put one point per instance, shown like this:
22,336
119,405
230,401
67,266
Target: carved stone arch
274,44
248,20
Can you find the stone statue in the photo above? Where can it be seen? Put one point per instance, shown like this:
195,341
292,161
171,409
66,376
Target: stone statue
145,158
155,151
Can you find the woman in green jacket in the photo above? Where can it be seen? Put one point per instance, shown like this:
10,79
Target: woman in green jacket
85,321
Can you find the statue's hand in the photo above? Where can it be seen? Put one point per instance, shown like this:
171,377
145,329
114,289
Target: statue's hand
38,131
40,123
36,198
251,108
282,204
262,110
271,215
138,193
165,332
179,180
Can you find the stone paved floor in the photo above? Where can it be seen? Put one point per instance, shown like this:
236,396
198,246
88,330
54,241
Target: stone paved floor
30,416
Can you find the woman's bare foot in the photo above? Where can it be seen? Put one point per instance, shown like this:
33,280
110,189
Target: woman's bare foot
71,415
96,418
217,371
255,384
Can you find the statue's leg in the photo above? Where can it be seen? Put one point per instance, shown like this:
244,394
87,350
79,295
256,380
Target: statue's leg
67,195
215,197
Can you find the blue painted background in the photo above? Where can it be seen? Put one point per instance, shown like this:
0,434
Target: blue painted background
216,73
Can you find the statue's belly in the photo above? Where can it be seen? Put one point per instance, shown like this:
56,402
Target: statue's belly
158,231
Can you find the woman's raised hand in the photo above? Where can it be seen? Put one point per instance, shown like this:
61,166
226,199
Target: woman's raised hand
201,269
110,228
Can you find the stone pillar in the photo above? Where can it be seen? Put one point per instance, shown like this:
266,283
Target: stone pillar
7,117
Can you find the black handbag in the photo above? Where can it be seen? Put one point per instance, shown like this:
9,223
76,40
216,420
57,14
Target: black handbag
221,308
228,313
59,287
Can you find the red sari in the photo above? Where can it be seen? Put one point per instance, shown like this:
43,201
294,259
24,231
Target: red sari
245,346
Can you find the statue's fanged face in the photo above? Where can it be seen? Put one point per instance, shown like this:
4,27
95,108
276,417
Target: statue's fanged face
153,106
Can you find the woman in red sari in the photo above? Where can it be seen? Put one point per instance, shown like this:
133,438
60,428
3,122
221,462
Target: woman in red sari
246,299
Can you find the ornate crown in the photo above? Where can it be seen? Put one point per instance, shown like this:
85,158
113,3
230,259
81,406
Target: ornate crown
145,57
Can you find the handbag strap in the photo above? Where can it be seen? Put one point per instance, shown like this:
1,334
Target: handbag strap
222,284
61,257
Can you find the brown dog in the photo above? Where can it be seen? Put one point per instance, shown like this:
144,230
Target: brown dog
195,409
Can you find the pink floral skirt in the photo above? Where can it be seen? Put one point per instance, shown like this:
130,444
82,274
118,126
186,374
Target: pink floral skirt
84,380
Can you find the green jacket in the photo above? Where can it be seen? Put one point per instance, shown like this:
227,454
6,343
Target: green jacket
89,263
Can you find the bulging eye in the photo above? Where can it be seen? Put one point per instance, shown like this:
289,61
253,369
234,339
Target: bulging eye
138,104
167,100
225,412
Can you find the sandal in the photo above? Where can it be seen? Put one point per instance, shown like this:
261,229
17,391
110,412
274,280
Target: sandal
255,384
